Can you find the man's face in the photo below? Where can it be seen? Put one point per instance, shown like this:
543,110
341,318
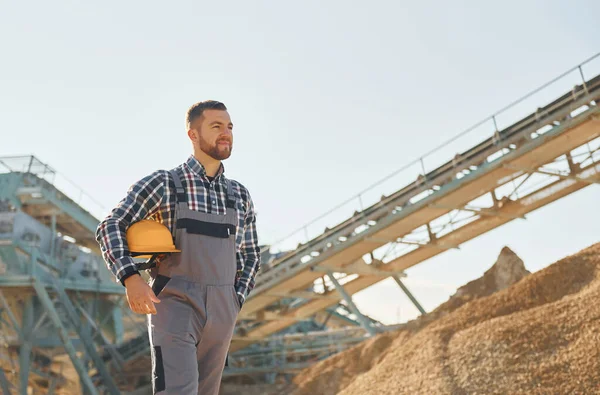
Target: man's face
214,130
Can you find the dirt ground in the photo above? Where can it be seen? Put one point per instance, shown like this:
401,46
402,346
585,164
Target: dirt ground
507,332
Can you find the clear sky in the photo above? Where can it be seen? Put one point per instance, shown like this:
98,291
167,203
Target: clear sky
326,97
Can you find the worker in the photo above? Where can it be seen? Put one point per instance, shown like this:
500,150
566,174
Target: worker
196,291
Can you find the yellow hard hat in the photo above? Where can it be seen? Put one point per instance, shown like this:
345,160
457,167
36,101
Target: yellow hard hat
147,237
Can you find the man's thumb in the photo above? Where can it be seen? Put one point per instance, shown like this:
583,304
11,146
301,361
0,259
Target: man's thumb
154,298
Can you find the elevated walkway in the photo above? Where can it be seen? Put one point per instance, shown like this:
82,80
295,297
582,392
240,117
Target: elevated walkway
547,155
24,182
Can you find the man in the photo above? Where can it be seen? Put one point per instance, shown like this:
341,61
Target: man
196,294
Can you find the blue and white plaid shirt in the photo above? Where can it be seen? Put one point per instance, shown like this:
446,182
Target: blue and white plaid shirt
149,198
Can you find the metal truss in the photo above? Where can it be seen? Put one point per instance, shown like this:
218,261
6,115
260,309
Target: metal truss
291,352
543,157
524,182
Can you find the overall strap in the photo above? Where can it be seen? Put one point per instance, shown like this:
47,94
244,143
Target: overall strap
180,191
230,195
181,200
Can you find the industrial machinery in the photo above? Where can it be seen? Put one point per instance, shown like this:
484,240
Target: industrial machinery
61,309
503,175
64,324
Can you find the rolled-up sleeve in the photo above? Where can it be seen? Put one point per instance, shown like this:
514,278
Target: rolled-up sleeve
143,199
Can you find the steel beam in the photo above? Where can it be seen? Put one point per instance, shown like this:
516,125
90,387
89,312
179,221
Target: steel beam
480,211
64,336
361,318
26,346
98,332
21,281
9,312
552,174
294,349
86,339
432,244
363,270
53,240
303,295
4,384
52,387
40,321
117,316
409,294
271,316
290,367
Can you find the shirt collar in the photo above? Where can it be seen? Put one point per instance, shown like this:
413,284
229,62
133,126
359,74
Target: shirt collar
197,167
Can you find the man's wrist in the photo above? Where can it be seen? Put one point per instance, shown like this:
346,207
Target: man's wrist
128,275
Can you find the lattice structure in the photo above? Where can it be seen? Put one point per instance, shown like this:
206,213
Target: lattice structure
543,157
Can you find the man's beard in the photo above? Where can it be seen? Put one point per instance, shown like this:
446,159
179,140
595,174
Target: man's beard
214,151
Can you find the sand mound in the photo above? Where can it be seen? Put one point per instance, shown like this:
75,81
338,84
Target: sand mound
506,271
540,335
252,389
330,376
337,372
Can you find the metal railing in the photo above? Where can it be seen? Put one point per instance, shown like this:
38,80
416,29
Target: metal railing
32,165
490,126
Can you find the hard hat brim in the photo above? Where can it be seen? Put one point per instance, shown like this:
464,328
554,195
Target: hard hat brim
149,252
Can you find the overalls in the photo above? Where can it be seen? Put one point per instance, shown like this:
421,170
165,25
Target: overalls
194,322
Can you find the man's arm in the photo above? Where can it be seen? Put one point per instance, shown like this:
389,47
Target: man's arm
143,199
250,252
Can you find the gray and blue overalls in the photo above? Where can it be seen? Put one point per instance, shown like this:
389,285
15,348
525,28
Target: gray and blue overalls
194,322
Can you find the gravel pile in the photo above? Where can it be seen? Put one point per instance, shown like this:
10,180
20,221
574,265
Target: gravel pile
507,332
542,335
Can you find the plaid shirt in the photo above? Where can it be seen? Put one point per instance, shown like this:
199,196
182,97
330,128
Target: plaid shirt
148,198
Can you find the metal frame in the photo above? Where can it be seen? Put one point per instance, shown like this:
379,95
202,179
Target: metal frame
62,304
390,222
348,299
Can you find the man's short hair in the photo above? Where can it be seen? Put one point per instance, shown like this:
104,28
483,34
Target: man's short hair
196,110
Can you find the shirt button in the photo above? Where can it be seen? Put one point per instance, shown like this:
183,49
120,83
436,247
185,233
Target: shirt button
214,202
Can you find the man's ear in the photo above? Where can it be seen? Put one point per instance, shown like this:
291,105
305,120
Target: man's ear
193,135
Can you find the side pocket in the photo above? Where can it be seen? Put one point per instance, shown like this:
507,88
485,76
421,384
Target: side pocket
158,370
221,310
159,283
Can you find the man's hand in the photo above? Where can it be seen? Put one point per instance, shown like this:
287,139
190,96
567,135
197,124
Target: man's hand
140,296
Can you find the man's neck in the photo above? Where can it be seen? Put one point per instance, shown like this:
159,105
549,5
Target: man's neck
211,165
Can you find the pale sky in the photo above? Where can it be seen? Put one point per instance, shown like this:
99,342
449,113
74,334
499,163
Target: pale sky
326,97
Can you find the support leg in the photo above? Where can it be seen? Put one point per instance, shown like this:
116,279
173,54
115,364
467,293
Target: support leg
9,312
26,346
409,294
117,317
62,332
86,338
361,318
52,386
4,383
